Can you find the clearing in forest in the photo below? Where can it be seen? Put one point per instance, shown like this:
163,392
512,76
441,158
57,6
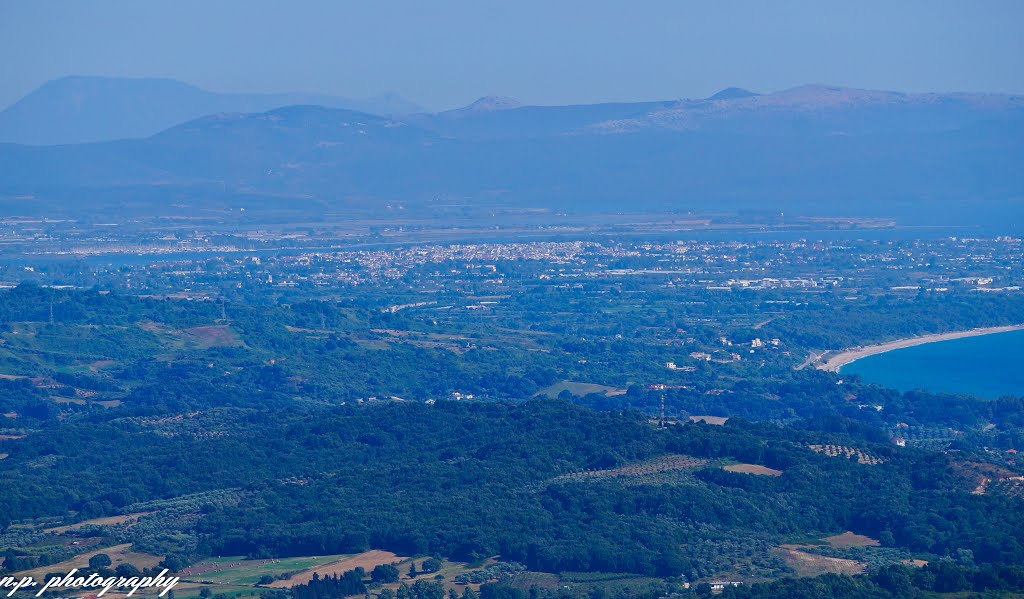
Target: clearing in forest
752,469
213,336
579,389
849,539
716,420
810,564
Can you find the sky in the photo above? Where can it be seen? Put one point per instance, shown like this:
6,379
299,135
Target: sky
442,54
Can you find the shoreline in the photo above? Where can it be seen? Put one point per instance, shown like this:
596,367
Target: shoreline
846,356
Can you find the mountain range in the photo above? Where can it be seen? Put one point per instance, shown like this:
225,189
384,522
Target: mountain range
928,158
90,109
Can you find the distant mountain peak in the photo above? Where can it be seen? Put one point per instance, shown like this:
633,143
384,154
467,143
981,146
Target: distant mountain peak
490,103
733,93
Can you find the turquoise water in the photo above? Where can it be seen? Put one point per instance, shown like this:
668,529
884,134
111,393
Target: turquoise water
987,366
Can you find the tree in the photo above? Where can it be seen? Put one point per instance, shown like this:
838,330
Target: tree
384,574
427,590
431,564
100,560
412,569
896,579
887,539
127,570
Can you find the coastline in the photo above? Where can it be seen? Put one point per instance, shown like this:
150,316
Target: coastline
846,356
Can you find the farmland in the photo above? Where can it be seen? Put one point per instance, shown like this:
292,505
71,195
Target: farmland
809,564
580,389
842,451
752,469
367,560
671,463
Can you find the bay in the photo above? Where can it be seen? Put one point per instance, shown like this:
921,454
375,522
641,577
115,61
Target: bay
988,366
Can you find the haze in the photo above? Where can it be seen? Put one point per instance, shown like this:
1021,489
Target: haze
446,54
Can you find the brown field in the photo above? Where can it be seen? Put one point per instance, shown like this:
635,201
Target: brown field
716,420
808,564
656,465
106,521
842,451
367,560
3,456
752,469
848,539
119,554
11,437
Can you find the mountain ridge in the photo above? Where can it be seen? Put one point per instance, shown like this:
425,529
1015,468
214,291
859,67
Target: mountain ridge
84,109
815,148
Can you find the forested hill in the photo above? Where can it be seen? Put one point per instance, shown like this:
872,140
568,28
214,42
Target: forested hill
274,428
468,480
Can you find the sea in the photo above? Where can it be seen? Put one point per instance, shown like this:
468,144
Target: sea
987,366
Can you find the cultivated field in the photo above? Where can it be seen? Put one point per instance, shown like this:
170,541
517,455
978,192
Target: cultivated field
837,451
241,571
716,420
752,469
809,564
657,465
107,521
985,478
849,539
367,560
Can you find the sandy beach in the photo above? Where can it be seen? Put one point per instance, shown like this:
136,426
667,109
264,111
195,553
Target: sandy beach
846,356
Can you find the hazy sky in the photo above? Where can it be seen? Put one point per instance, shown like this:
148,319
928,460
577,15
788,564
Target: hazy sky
445,53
